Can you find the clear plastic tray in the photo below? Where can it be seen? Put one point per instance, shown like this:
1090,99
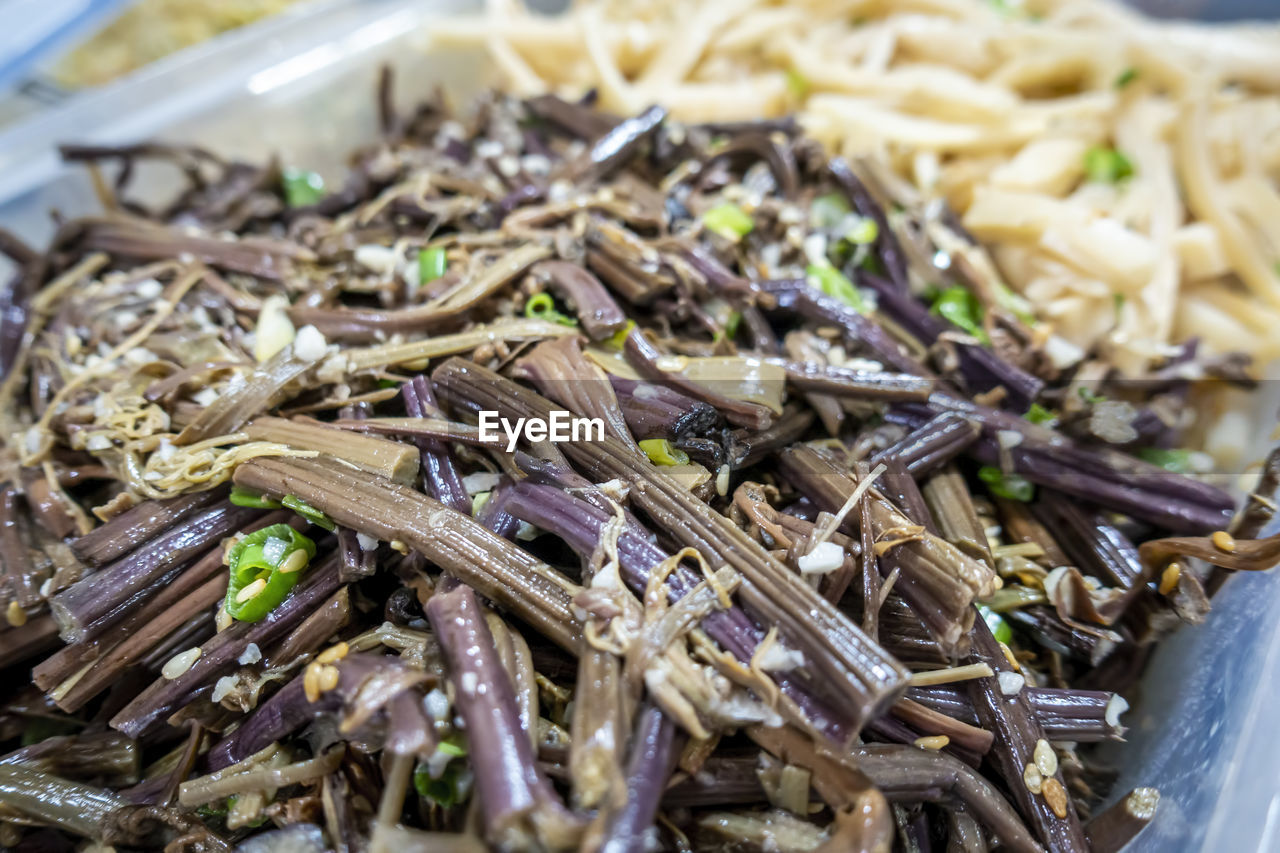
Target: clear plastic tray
302,87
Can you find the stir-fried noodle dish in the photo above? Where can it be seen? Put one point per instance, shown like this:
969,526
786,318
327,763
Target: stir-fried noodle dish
759,426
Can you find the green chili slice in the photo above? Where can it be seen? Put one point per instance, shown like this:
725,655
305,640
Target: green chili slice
241,496
263,570
310,513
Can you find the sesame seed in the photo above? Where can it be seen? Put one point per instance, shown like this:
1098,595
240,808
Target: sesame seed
934,742
399,545
1056,796
295,562
253,590
222,619
310,682
180,663
1222,541
1169,578
722,480
1032,778
16,615
1046,759
333,653
326,678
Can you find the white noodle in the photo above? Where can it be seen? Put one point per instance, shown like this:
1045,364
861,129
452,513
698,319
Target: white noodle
993,110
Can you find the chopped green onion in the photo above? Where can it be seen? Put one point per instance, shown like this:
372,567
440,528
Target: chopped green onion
1177,461
729,221
240,496
996,623
864,233
1014,303
256,561
253,824
541,306
798,85
310,513
453,746
453,786
218,808
478,500
832,282
1002,485
962,308
618,339
1089,397
1038,414
301,188
662,452
732,323
432,264
1126,77
1106,165
828,210
1117,301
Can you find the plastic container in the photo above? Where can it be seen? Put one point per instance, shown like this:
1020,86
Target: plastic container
303,87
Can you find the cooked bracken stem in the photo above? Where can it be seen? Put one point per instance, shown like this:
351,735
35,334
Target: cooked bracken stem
386,511
440,476
1113,829
1017,734
858,670
519,805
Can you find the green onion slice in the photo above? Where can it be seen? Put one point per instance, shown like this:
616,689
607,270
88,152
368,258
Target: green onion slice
729,221
662,452
962,308
310,513
832,282
541,306
240,496
432,264
1106,165
301,188
1002,485
1176,460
